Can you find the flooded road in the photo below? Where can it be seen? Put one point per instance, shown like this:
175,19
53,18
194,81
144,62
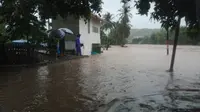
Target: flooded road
129,79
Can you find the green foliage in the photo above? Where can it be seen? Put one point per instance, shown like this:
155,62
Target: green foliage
104,37
108,18
117,32
1,33
124,20
108,26
27,18
122,28
167,11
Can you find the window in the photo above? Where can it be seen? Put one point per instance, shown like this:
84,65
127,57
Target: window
95,29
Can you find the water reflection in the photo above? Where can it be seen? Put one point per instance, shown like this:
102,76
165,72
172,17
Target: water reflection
48,88
64,92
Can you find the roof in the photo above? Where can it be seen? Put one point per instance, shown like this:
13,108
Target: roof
96,17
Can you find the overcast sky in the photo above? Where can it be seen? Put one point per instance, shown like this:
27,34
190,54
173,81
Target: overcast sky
137,21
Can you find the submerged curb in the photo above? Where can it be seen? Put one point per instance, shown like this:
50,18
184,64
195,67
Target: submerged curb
46,62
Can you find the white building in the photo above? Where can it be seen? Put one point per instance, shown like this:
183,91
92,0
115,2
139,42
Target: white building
89,30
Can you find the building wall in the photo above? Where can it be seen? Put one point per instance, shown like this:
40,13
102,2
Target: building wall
95,37
69,22
85,37
88,37
70,45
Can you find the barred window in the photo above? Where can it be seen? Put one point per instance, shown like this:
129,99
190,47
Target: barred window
95,29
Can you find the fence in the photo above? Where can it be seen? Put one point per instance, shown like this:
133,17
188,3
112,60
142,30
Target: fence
2,53
17,53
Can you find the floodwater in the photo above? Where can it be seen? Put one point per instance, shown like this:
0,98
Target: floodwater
132,79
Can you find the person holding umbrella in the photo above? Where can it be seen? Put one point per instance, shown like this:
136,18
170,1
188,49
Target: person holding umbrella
78,45
59,36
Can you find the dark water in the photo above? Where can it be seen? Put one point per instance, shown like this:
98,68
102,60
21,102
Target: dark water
129,79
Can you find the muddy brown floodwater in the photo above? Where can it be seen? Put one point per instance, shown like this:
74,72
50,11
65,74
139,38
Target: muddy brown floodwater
129,79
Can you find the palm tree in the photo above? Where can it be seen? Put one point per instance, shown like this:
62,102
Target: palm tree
108,18
125,14
107,27
125,1
115,33
124,20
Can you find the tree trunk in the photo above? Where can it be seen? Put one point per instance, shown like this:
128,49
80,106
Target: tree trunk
122,41
167,41
175,45
107,43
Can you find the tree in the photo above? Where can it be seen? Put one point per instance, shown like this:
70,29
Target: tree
2,31
175,44
107,27
115,33
172,11
165,17
27,18
124,20
186,37
120,30
108,18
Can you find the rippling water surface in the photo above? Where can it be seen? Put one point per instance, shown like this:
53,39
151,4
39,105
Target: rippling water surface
129,79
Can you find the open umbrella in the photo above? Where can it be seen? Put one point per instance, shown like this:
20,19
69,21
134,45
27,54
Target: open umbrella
66,30
20,41
56,34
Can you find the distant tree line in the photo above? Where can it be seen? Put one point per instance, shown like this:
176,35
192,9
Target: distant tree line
185,38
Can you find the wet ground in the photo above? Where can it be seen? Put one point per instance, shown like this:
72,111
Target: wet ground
132,79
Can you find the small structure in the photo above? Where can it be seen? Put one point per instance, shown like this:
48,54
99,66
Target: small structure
19,52
89,30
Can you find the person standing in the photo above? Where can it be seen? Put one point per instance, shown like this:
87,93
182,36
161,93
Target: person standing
78,45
